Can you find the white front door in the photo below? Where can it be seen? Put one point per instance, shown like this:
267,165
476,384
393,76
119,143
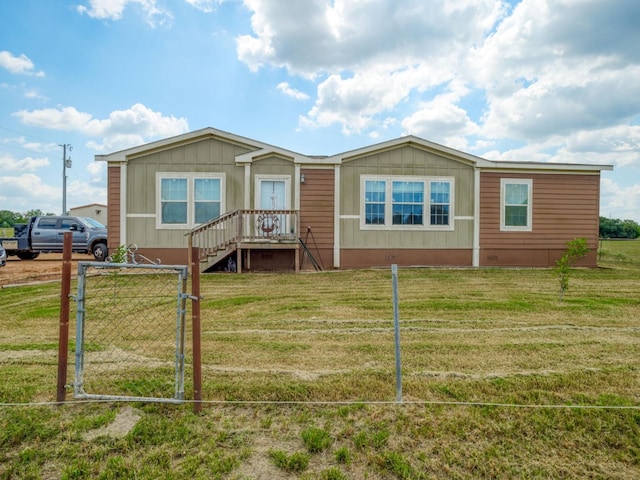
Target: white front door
272,193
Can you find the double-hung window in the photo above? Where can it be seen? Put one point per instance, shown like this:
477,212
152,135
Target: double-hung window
515,204
406,203
185,200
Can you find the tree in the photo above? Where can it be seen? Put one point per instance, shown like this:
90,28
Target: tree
576,249
8,218
615,228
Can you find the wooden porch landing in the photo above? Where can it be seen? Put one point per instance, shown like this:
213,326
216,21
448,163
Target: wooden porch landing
241,231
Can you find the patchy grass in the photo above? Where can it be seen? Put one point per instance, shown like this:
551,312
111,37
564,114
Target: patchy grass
494,368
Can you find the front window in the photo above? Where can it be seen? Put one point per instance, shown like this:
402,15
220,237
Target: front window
374,202
440,202
188,200
207,199
173,192
515,211
407,203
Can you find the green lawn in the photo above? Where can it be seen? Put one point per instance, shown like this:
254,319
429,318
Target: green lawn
500,379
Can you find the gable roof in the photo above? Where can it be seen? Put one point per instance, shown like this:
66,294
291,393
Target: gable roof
260,149
451,153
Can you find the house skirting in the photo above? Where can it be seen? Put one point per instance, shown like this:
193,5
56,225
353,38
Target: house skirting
379,257
529,257
260,260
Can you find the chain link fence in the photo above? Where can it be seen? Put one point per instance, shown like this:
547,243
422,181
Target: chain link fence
130,332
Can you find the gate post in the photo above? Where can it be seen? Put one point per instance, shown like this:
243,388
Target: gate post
195,318
63,336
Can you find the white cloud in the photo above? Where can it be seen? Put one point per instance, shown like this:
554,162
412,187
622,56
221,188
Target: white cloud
19,190
557,66
19,65
206,6
123,128
289,91
65,118
78,192
312,36
114,10
9,164
371,56
619,201
442,120
359,101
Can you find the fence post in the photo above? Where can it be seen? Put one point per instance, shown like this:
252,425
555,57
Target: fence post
396,329
196,332
63,336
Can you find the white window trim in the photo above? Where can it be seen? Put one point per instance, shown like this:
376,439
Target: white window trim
426,215
503,193
190,176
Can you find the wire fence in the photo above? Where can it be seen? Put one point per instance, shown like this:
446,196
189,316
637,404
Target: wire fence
130,332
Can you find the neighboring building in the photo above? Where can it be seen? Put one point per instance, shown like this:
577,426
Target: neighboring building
406,201
96,211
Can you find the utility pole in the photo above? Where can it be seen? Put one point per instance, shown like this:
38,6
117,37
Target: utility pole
66,163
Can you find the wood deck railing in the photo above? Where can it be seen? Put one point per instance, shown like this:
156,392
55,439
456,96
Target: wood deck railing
221,236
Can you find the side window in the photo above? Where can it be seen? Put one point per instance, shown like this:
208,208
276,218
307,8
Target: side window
65,223
515,204
48,223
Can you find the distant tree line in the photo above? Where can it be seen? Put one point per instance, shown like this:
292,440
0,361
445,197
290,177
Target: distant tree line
615,228
8,218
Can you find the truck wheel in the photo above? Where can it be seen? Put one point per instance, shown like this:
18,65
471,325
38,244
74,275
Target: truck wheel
27,255
100,252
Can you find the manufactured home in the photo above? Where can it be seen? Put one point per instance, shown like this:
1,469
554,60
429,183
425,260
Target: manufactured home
248,205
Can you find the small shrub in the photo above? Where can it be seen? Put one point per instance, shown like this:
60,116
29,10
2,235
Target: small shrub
316,439
375,439
576,249
333,474
397,464
296,462
343,455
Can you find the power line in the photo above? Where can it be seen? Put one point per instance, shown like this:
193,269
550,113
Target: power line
25,134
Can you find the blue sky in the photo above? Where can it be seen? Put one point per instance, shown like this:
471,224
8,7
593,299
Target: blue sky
530,80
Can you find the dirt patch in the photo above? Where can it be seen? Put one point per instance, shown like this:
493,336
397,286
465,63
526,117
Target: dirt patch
47,267
124,422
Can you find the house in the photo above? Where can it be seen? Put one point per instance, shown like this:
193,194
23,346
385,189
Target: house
406,201
97,211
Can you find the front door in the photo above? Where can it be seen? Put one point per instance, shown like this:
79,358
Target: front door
272,194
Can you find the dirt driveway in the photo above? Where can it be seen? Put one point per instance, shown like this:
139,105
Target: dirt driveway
48,266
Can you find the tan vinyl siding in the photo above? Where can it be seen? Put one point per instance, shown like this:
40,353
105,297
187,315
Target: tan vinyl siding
565,206
316,213
113,202
211,155
407,161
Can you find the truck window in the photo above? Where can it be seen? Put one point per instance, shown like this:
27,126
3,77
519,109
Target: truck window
65,223
47,222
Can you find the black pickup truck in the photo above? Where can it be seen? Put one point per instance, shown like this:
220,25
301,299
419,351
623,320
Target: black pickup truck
45,234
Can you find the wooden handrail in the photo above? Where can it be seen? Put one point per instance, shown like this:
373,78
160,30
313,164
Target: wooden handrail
251,226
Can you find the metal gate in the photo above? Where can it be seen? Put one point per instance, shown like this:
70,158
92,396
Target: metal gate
130,332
